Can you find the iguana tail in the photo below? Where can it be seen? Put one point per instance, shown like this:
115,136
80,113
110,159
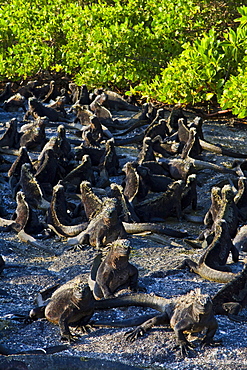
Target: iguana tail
139,227
136,321
208,273
136,299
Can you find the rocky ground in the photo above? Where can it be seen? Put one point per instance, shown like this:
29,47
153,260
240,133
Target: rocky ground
156,257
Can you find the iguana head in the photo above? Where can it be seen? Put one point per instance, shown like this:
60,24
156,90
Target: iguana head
227,193
202,303
121,247
119,253
80,290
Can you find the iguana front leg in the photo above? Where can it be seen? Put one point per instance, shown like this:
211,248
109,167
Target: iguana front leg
162,319
64,327
182,342
208,339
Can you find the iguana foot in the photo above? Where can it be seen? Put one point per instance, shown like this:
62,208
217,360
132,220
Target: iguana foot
86,329
184,348
68,337
132,335
210,342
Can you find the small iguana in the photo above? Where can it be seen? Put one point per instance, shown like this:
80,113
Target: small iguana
114,271
212,264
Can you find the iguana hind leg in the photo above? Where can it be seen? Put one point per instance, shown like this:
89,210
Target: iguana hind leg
163,319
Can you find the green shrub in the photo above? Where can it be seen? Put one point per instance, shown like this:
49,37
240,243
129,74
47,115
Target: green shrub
182,50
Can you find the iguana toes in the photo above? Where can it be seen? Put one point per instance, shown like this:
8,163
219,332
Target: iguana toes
114,271
72,303
190,313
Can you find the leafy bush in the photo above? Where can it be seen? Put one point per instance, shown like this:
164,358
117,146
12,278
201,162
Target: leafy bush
200,72
235,94
184,50
104,42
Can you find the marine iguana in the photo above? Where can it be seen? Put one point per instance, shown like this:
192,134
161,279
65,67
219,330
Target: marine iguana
114,101
215,206
94,128
161,205
37,109
212,263
146,153
125,209
103,228
184,165
48,171
240,198
58,218
72,303
189,193
158,126
232,297
183,133
52,94
34,137
154,182
31,188
137,120
14,103
93,205
25,222
134,186
82,172
110,160
14,172
192,312
11,137
58,105
223,207
114,271
103,114
175,115
240,240
6,93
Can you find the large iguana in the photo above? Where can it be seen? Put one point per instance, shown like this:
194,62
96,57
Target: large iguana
72,303
192,312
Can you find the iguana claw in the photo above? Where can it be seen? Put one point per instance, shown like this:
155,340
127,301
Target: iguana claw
132,335
210,343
